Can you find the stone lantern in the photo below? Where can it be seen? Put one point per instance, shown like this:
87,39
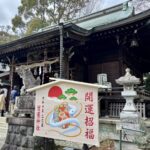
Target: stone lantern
129,115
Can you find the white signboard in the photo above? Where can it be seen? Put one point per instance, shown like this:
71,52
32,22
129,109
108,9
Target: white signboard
67,111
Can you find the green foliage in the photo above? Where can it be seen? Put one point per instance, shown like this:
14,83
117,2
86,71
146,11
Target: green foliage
62,97
147,83
71,91
17,23
73,98
5,36
34,25
45,12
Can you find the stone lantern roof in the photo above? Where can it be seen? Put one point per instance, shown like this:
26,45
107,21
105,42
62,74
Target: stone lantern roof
128,79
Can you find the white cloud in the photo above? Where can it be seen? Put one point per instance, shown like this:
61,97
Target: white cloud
8,9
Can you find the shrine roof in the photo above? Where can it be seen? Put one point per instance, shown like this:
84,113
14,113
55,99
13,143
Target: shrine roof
100,18
57,80
105,17
108,19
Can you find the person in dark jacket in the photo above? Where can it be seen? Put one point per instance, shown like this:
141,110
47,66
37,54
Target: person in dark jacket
13,95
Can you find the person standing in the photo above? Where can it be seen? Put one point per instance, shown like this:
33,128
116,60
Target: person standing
13,95
2,103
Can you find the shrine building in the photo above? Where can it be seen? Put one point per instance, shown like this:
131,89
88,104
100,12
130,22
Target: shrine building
94,49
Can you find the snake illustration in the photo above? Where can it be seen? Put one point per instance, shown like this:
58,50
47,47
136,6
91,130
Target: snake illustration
72,121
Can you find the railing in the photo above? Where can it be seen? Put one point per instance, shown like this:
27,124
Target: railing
141,93
116,108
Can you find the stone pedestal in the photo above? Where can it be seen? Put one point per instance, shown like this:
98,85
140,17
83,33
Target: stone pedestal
25,106
129,116
20,134
20,129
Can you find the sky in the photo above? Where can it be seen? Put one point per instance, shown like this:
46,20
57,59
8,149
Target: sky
8,8
108,3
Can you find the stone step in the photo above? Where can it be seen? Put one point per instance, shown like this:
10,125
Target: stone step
3,129
4,125
2,119
3,136
2,141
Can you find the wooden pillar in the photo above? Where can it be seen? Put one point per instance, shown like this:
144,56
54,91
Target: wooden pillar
11,75
64,56
121,48
61,54
66,63
121,60
45,66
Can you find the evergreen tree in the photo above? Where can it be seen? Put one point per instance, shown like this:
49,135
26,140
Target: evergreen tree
5,34
34,14
147,83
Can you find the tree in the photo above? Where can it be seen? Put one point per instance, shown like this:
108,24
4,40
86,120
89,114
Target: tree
147,83
18,23
141,5
90,7
34,25
45,12
5,35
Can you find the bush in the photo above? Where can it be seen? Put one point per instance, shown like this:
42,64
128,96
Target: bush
147,83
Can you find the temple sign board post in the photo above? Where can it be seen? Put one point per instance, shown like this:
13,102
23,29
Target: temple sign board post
67,110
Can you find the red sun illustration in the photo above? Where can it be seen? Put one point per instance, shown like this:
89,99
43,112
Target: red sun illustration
55,91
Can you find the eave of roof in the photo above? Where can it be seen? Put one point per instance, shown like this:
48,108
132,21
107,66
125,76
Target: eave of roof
126,21
41,36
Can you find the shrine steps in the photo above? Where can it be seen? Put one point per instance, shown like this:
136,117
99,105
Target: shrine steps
3,130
